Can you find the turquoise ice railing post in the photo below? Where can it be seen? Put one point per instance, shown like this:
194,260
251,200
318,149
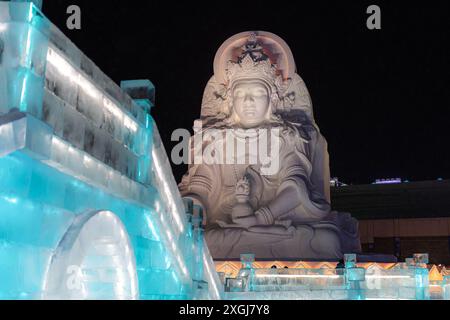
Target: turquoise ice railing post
24,41
354,276
350,261
189,209
446,287
200,285
222,277
422,276
143,94
188,243
235,285
37,3
197,221
409,262
247,271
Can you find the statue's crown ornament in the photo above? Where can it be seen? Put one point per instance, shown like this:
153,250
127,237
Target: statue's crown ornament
262,56
252,64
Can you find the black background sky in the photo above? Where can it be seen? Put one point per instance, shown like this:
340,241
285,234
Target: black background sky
381,98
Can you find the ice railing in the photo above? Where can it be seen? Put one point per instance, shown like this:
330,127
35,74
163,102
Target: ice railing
189,225
409,281
85,125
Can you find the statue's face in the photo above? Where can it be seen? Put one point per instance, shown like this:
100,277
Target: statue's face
251,103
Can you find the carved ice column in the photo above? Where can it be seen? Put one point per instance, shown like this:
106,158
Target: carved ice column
446,285
37,3
354,277
422,276
143,94
248,272
200,285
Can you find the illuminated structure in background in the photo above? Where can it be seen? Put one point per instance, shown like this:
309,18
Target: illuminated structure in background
89,208
400,218
350,281
388,181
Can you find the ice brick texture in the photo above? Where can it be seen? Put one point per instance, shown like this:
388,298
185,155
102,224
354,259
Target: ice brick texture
352,283
72,141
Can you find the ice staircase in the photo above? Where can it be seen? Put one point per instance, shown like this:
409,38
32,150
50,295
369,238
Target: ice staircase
89,208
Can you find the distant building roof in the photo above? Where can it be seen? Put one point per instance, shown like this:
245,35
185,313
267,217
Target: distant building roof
388,181
423,199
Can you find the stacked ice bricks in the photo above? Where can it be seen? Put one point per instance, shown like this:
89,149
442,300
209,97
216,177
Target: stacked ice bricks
73,118
43,74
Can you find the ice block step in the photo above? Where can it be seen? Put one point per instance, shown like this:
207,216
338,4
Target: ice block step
37,3
25,133
12,132
22,270
82,133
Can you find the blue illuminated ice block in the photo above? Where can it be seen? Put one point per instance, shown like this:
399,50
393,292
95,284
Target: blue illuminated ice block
89,208
401,282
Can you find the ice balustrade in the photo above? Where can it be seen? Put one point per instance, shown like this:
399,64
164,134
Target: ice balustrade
72,142
405,281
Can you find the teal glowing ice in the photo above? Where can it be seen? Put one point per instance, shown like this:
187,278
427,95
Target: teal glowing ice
89,208
404,281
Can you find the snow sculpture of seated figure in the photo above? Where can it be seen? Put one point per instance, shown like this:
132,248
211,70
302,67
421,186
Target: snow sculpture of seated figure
270,198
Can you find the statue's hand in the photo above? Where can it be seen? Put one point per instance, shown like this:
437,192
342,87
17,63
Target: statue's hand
284,223
246,222
264,217
260,220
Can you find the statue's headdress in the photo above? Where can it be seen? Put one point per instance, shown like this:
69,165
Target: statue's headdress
252,64
263,56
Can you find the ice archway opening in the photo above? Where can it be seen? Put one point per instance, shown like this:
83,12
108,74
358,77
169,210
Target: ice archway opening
93,261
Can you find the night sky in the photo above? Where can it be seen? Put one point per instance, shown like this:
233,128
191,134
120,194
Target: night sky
381,98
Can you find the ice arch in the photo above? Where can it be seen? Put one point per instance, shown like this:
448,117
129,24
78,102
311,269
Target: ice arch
94,260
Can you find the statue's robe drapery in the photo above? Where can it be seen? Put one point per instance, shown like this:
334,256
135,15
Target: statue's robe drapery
213,187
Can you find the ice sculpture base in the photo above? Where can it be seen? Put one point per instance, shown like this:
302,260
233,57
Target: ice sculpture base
310,241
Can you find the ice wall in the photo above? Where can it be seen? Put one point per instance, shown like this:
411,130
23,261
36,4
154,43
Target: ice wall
73,144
